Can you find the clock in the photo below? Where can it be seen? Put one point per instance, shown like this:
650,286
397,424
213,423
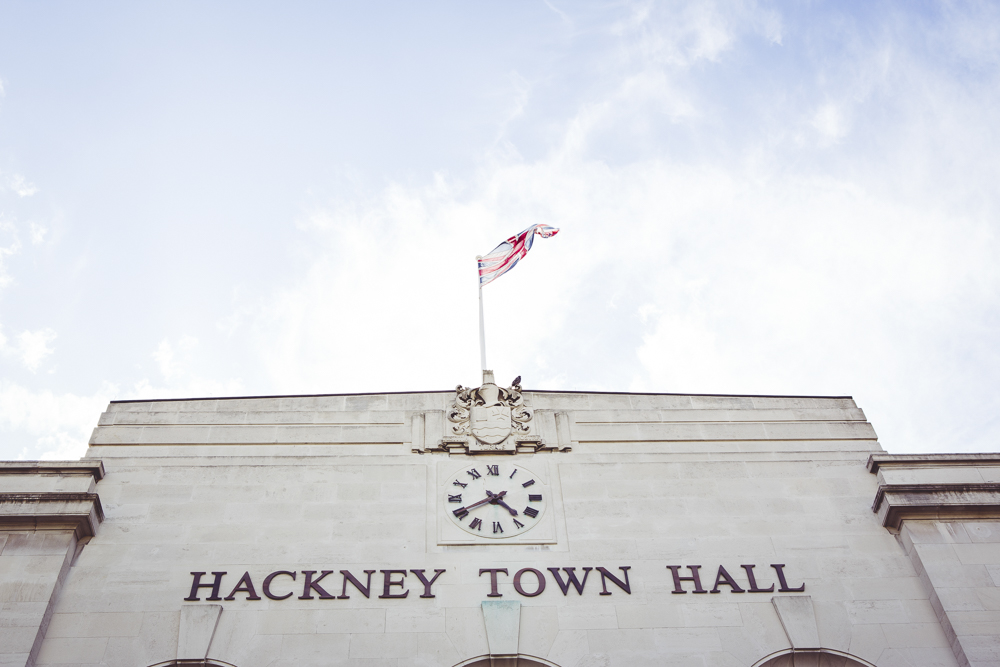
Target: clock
495,500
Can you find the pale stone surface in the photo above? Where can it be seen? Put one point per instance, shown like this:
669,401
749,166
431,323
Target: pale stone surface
503,624
331,483
197,627
798,618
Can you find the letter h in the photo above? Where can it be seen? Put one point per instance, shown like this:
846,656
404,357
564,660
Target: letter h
196,584
678,588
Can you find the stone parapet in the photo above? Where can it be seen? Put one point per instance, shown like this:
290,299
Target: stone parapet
556,422
944,487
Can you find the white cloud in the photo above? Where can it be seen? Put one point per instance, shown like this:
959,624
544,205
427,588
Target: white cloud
680,34
177,364
58,424
33,347
18,184
830,122
12,246
38,233
729,256
173,359
734,274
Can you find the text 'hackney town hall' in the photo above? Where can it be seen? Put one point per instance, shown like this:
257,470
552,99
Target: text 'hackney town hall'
495,526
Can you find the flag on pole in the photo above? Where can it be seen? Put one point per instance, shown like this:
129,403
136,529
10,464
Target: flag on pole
505,256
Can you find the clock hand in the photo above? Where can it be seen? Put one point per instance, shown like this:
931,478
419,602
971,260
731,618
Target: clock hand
513,512
491,497
497,499
479,503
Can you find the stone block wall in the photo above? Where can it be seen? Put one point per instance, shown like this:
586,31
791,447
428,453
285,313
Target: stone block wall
644,486
47,511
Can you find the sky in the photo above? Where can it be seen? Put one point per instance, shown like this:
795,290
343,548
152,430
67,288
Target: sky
229,199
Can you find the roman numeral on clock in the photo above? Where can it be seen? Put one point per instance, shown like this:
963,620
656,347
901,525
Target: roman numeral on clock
461,512
528,483
475,473
512,474
518,523
477,524
531,511
497,528
455,499
534,497
458,483
493,470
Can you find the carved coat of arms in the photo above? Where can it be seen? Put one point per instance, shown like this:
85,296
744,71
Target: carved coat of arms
490,414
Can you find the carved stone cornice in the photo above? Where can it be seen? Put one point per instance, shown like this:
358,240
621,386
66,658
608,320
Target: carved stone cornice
946,487
530,444
51,495
91,467
875,461
79,512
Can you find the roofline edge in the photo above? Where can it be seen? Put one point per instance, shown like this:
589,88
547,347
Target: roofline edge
448,391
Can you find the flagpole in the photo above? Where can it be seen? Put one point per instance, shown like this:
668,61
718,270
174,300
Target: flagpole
482,325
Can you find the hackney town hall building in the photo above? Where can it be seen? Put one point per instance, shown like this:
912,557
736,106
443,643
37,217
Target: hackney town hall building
493,526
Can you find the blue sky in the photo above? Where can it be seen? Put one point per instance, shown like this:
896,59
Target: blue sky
249,198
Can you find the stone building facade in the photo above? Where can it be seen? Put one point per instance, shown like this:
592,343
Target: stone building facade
495,526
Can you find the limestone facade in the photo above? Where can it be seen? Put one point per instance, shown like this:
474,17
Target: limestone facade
641,530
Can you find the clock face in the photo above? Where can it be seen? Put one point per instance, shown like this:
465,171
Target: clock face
494,500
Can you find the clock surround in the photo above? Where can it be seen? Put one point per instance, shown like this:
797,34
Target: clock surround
497,500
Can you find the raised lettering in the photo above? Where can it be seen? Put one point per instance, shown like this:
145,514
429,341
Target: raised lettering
518,523
196,584
267,585
723,578
245,585
388,583
512,474
783,588
427,584
753,581
493,470
461,512
365,590
477,524
624,585
571,579
517,582
458,483
678,588
497,528
528,483
313,585
493,580
475,473
534,497
455,499
531,511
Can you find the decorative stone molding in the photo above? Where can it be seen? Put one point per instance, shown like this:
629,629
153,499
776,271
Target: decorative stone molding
488,420
51,495
79,512
798,619
503,625
947,487
197,629
92,467
823,657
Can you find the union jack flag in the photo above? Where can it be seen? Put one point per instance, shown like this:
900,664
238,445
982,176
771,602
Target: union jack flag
505,256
